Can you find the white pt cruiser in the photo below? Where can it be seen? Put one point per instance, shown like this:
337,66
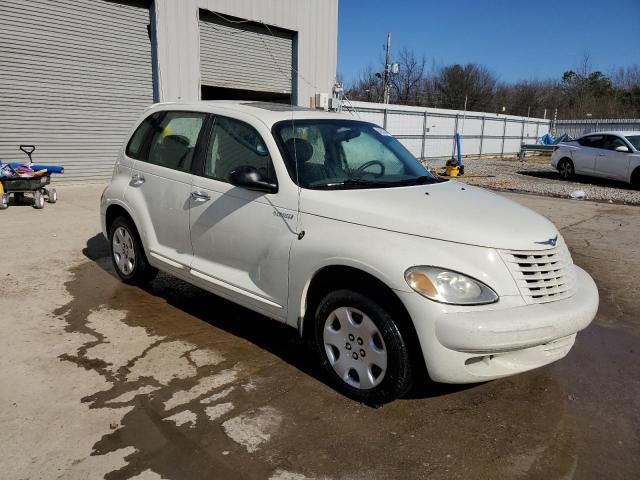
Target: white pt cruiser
330,225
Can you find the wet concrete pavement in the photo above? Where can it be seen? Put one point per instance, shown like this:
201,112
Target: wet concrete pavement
101,379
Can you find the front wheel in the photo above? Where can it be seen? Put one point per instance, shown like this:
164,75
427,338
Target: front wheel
565,167
127,253
361,348
38,199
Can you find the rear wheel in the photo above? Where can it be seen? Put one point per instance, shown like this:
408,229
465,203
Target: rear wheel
52,196
127,253
361,348
635,178
4,201
565,167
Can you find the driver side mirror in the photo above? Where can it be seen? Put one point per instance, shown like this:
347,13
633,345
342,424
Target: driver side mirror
622,148
249,177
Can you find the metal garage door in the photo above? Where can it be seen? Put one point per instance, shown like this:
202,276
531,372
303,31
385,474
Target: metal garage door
74,75
244,56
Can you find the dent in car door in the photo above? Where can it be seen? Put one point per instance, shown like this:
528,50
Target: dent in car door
241,239
160,189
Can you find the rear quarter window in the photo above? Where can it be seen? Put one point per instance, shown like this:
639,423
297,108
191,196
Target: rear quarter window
136,148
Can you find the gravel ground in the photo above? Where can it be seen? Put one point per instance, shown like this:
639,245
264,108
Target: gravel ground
538,177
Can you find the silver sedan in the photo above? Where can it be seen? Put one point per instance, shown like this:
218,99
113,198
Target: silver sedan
613,155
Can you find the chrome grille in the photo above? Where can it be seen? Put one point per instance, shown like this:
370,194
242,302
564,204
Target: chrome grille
542,275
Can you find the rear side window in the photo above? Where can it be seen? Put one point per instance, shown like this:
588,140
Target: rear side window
174,139
139,139
593,141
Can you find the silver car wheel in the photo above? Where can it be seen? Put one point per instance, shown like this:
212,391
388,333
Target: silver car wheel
123,249
355,348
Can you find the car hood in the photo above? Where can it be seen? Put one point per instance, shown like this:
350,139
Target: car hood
450,211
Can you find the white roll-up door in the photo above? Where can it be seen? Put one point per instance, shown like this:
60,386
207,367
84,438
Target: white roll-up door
74,75
244,56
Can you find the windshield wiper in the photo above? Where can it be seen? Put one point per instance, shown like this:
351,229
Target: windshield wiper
355,182
413,181
359,182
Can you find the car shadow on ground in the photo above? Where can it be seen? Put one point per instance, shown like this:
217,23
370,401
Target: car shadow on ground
583,179
275,337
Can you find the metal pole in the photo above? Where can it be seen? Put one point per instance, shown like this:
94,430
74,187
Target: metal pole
384,121
481,136
522,133
455,131
387,68
504,132
554,125
424,134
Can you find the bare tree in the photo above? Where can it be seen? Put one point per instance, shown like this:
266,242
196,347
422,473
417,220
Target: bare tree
408,84
456,82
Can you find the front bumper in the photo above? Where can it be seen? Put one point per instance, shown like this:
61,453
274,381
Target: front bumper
474,346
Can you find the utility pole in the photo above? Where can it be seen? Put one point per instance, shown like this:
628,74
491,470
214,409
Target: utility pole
387,71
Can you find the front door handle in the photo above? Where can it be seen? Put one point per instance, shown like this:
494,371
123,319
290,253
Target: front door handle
137,180
199,196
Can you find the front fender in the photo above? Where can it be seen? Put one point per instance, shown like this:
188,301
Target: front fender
386,256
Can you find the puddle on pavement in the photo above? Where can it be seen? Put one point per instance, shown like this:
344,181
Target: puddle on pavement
216,390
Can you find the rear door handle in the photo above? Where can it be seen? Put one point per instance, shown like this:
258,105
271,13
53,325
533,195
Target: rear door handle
199,196
137,180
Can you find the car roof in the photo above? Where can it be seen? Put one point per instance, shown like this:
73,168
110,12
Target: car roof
269,113
613,132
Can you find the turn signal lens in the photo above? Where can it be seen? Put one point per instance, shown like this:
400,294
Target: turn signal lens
450,287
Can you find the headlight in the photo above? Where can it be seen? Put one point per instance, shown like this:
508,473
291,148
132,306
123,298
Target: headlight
446,286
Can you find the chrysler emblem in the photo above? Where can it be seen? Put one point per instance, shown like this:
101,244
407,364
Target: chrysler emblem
551,241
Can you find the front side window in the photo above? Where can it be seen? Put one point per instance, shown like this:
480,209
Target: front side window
233,144
611,142
174,139
634,140
328,154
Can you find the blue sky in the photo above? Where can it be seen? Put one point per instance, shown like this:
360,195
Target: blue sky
516,40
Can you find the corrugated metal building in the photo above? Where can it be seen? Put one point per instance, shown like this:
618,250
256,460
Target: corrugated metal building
75,74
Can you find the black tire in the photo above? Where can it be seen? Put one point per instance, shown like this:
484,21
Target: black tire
52,195
137,270
395,380
635,178
4,201
566,169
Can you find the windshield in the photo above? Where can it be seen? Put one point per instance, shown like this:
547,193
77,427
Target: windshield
634,140
334,154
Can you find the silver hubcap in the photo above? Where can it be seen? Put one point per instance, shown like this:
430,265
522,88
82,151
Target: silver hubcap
123,251
355,348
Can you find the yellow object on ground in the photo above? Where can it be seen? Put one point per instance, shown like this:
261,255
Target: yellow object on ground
1,188
452,170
